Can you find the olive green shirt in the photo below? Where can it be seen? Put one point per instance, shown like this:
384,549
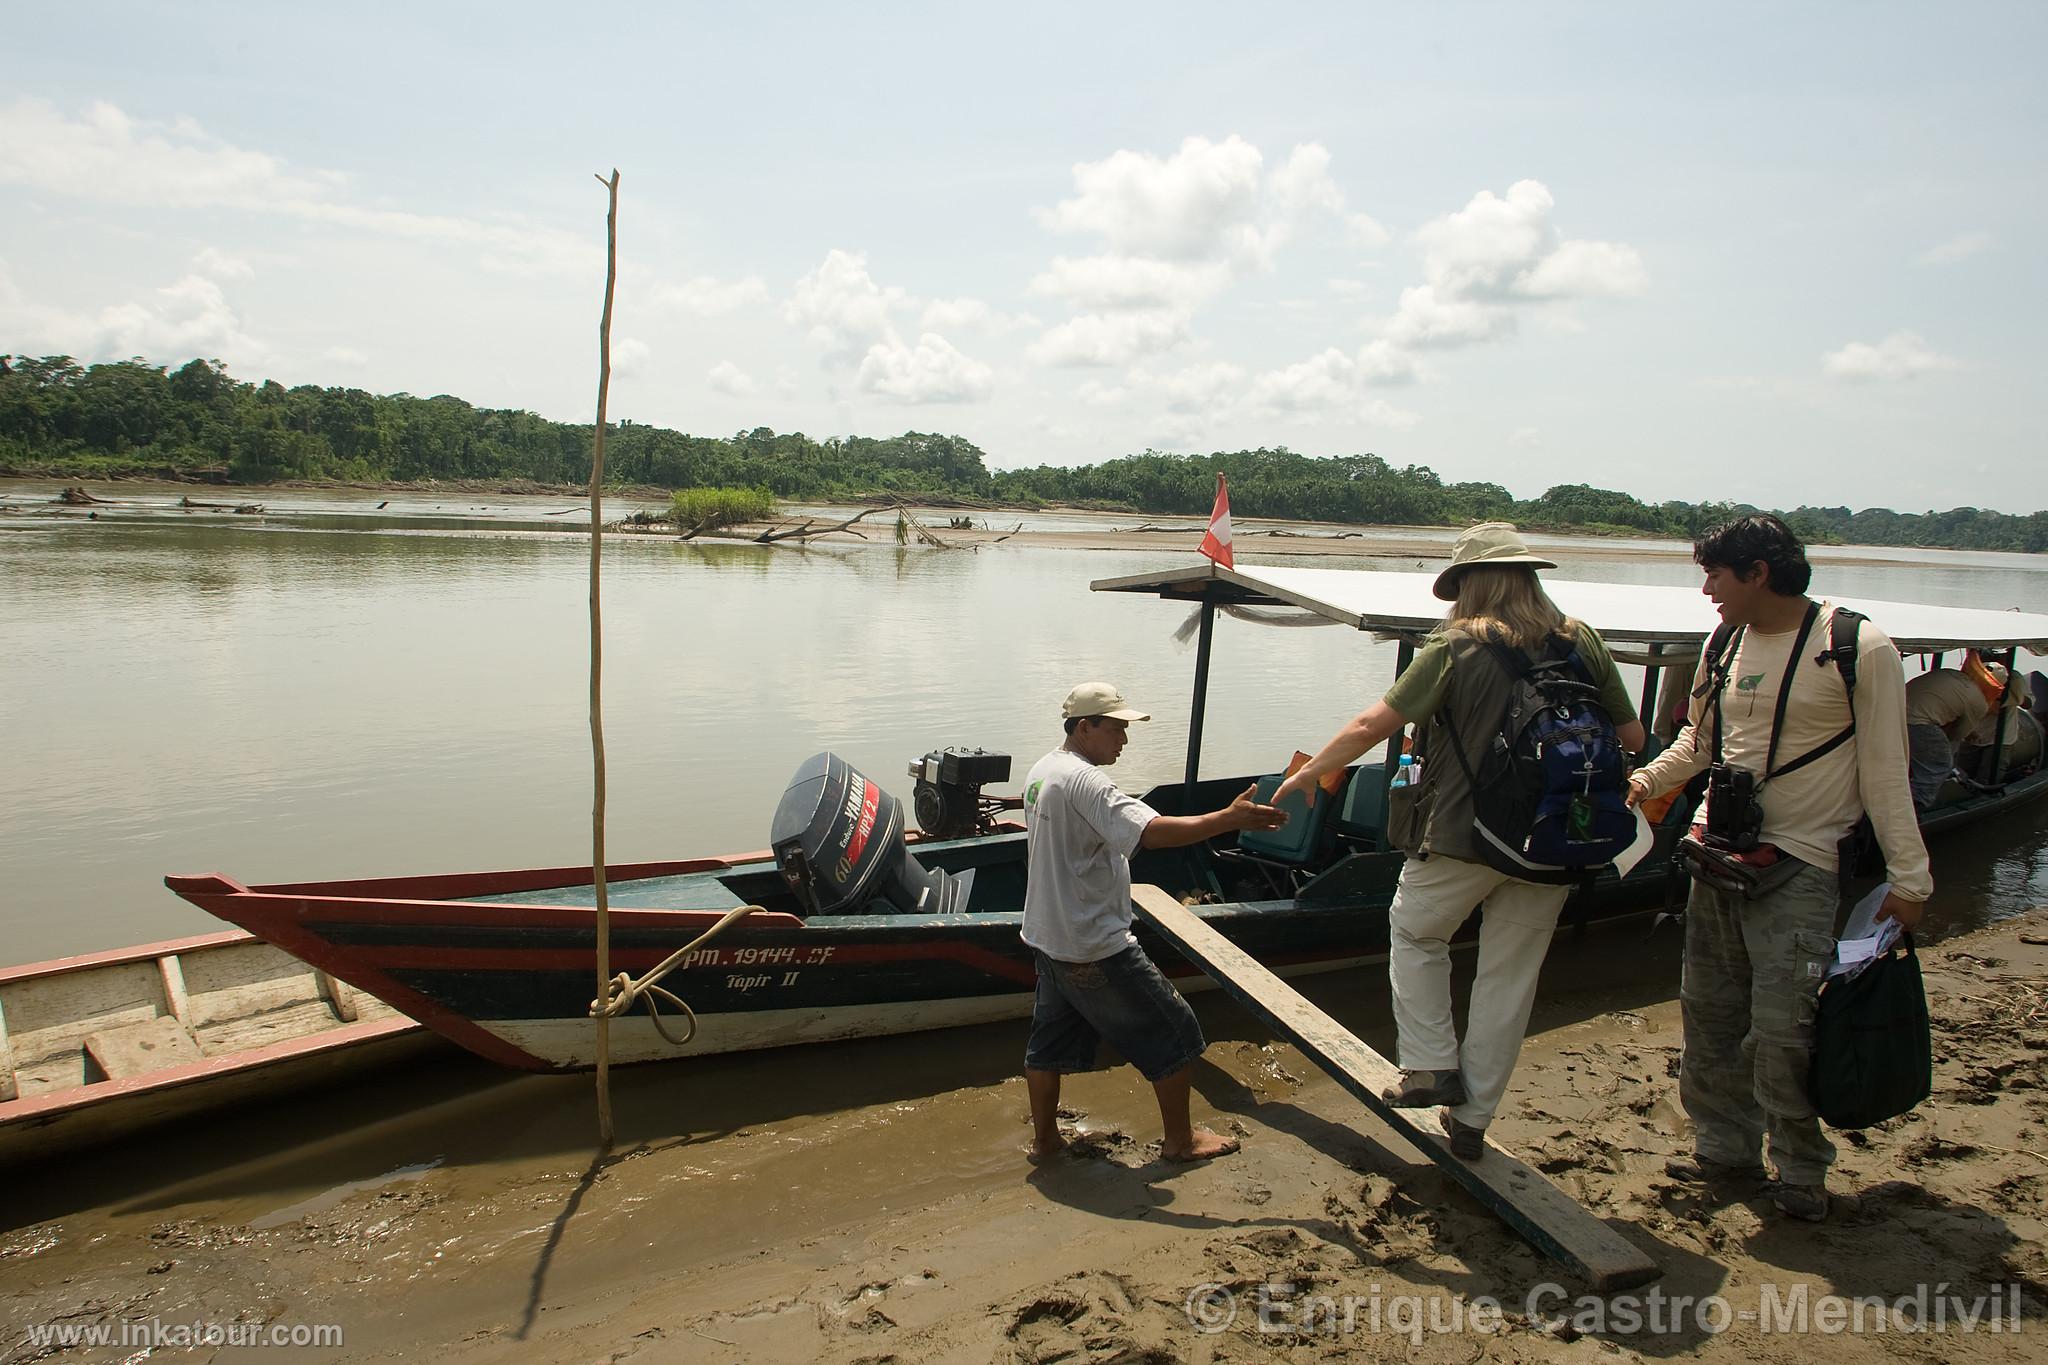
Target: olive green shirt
1420,690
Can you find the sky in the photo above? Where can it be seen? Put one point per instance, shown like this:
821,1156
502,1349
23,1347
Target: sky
1765,253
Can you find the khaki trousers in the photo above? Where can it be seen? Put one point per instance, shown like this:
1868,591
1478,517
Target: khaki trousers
1434,897
1753,972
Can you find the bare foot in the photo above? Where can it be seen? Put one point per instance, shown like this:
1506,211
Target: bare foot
1037,1152
1202,1145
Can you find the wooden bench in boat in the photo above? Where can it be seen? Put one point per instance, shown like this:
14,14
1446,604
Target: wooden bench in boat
1549,1219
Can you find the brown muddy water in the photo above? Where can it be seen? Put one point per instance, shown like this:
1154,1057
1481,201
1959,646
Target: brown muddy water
331,693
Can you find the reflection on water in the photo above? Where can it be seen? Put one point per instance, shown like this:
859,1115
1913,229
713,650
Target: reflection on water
291,705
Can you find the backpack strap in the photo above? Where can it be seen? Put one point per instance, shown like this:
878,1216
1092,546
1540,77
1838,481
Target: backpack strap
1719,656
1842,651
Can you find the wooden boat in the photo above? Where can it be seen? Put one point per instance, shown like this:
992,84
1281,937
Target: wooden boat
504,963
99,1046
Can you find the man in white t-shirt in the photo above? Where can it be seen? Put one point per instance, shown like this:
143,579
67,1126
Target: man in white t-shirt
1094,982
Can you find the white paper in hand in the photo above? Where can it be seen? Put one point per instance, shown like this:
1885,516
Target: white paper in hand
1863,937
1646,835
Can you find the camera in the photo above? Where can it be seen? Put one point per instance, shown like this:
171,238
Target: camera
1735,813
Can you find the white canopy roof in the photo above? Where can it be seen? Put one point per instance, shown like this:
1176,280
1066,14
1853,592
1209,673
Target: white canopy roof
1680,619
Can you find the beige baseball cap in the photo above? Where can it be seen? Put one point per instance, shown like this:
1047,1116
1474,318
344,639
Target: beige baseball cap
1098,699
1488,543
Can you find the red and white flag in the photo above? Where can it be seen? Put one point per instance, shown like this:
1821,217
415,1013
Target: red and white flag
1216,544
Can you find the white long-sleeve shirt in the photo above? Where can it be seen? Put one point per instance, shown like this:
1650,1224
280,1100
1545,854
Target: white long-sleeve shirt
1808,811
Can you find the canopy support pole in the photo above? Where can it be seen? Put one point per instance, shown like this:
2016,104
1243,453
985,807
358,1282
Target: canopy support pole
1647,714
1200,704
1403,656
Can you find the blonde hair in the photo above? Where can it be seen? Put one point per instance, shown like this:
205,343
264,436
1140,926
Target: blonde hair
1506,602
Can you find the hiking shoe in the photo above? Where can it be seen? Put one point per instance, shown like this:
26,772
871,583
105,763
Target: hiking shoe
1467,1143
1700,1170
1809,1203
1421,1089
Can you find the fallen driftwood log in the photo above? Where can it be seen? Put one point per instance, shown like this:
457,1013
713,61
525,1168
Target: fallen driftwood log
246,509
78,497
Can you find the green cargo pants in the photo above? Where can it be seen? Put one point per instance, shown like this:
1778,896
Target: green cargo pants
1752,980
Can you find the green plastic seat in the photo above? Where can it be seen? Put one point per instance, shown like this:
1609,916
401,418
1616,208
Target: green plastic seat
1363,809
1295,842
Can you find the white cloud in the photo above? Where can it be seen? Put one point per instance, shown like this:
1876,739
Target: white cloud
728,378
1902,355
1494,259
1331,384
1110,338
221,266
1957,248
1365,231
188,319
1382,362
629,355
1097,394
108,156
1527,438
1209,388
953,315
1504,249
346,356
706,297
1584,270
841,307
1176,232
1109,282
932,371
1424,319
1183,207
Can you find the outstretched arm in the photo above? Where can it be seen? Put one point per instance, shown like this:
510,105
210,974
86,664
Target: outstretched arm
1365,731
1178,831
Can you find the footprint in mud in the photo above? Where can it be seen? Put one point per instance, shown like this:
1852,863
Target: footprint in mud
1094,1316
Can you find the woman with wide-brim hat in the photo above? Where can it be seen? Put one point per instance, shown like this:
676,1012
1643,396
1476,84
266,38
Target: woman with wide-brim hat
1455,683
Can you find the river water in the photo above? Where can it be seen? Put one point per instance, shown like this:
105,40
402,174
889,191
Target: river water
337,690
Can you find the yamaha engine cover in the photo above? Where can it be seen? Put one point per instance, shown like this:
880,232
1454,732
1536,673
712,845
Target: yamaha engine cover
838,839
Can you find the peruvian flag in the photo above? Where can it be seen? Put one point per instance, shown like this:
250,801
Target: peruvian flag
1216,544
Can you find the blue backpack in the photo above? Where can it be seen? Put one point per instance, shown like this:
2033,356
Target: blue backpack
1549,791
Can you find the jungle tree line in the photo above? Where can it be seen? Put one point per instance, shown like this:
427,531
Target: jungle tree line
130,417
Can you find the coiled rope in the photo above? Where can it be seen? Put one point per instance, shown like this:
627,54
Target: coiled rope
622,992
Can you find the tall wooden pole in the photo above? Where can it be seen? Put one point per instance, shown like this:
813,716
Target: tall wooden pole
597,863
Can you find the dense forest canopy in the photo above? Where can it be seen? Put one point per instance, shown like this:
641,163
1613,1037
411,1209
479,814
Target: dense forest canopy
130,417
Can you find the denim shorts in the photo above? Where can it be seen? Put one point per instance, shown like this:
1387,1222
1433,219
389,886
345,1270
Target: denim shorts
1122,1000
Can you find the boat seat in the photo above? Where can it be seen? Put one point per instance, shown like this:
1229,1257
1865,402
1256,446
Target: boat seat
1362,809
1282,854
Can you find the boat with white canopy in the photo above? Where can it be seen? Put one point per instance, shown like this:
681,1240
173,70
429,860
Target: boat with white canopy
864,928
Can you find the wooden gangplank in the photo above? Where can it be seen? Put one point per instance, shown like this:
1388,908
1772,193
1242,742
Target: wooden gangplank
1552,1221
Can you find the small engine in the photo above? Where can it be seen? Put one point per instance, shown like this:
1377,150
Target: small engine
948,798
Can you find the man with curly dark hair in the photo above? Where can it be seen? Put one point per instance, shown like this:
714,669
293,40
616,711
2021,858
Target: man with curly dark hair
1774,710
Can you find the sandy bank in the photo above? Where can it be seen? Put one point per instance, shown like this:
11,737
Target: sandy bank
769,1208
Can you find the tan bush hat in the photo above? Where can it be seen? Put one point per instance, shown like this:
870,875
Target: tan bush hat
1489,543
1098,699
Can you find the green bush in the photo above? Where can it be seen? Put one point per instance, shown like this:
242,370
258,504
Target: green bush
696,510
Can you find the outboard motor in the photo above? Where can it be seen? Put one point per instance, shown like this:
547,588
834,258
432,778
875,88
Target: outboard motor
838,839
948,799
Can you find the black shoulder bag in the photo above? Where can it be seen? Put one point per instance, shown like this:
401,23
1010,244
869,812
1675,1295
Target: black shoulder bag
1873,1057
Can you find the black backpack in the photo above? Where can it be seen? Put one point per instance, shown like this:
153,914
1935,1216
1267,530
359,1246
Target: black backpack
1548,793
1873,1057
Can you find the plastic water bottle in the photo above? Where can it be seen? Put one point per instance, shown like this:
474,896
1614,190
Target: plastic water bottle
1405,773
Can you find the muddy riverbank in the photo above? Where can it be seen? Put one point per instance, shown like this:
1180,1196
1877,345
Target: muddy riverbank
868,1201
